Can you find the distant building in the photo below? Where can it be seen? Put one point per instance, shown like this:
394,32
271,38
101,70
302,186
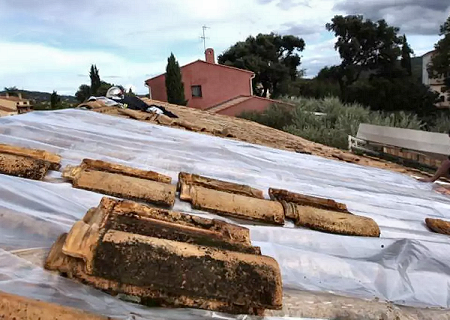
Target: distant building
436,85
213,87
12,105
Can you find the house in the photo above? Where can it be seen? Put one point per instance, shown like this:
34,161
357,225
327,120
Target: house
12,105
436,85
213,87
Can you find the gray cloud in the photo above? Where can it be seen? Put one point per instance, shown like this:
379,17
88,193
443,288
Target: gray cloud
287,4
314,64
290,4
303,29
420,17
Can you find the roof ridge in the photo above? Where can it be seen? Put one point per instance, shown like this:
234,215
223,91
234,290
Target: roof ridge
229,103
221,103
208,63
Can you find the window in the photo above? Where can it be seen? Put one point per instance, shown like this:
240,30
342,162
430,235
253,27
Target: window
196,91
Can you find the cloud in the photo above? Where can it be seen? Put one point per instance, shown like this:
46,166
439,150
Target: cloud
287,4
291,4
302,29
54,41
321,54
38,67
414,17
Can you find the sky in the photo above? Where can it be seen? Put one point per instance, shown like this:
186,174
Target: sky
50,45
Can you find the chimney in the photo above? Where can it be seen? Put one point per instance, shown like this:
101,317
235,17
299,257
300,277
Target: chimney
20,95
209,55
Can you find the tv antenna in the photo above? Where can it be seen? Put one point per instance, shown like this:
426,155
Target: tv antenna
203,37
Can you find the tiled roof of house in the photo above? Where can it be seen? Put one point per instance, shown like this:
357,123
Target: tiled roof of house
228,103
211,64
3,108
237,100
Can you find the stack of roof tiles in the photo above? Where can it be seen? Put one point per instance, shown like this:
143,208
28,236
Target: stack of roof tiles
170,258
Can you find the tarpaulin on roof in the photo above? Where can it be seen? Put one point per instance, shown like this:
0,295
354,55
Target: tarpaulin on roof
408,264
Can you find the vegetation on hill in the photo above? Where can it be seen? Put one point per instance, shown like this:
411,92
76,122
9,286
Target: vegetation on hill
328,121
37,96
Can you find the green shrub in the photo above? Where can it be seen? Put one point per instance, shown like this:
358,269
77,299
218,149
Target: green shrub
334,123
277,116
441,123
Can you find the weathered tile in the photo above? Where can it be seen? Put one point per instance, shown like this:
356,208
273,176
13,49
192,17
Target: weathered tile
235,205
22,166
168,258
438,225
52,158
332,221
120,185
100,165
136,218
305,200
75,268
187,179
21,308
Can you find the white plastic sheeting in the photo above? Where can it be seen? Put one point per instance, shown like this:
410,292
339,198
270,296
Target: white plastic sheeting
408,265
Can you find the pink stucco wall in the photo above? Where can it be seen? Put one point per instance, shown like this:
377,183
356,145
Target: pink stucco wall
219,84
157,88
252,104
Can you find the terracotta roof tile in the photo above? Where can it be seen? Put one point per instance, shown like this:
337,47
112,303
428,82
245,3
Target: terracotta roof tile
212,64
3,108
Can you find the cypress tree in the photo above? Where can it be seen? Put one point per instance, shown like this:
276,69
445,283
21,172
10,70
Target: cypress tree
406,56
174,84
55,100
95,79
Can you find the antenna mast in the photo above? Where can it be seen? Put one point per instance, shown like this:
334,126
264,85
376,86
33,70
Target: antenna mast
203,37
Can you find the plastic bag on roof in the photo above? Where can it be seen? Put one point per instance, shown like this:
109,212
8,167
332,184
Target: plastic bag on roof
394,267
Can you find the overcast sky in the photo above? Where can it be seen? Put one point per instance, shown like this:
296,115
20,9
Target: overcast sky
49,45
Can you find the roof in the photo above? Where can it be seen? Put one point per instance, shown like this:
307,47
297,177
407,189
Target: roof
429,52
210,64
397,202
240,99
229,103
3,108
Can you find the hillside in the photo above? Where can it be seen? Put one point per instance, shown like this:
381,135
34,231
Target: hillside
40,97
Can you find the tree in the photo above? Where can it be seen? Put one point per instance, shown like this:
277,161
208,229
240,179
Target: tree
12,91
83,93
103,88
364,46
55,100
174,83
95,80
440,62
273,58
130,93
406,56
395,94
